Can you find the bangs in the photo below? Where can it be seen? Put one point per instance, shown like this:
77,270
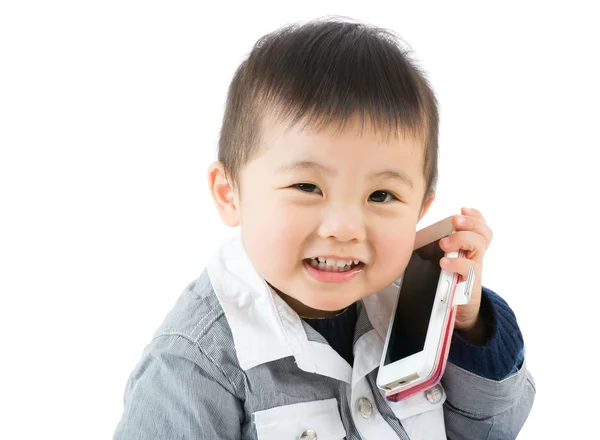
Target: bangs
322,79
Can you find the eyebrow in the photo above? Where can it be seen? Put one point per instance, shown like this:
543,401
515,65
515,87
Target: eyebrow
394,174
305,165
315,166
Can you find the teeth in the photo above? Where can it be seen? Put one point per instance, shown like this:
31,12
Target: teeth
331,264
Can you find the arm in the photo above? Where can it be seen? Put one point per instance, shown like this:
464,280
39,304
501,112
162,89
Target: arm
490,392
478,408
494,348
176,391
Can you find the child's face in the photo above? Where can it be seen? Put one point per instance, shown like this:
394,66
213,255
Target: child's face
339,196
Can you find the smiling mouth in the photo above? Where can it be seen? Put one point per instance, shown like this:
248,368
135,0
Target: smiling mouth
331,265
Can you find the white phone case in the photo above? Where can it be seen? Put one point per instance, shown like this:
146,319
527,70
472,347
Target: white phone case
456,293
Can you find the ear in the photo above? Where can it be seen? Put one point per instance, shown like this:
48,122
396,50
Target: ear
223,193
426,205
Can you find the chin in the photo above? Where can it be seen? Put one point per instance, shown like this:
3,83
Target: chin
329,306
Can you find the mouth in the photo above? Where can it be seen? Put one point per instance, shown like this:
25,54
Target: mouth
328,264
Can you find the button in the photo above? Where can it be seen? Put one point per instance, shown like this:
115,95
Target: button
309,434
446,291
434,394
365,407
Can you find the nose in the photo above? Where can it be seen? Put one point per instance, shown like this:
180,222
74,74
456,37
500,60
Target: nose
344,223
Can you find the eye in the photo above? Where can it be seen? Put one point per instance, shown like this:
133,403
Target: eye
382,197
308,187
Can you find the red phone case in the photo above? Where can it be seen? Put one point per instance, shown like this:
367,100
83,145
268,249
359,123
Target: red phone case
442,357
440,365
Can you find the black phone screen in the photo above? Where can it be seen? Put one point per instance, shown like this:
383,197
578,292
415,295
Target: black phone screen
415,303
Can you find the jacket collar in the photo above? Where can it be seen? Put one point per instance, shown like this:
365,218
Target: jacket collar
265,328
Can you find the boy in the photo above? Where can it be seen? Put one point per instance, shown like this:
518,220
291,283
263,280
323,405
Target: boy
327,161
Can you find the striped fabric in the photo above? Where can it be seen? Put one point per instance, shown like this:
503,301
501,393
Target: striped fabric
190,382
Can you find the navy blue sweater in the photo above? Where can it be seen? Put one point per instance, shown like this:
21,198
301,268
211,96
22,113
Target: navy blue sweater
501,356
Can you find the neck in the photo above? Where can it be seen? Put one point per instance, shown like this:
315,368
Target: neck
302,309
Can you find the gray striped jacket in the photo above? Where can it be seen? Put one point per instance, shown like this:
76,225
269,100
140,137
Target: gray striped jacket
233,361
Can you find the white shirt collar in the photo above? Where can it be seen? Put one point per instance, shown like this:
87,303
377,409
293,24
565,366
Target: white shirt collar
265,328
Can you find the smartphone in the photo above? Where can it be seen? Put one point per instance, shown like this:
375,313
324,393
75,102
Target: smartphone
415,350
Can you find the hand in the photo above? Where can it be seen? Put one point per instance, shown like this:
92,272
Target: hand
473,236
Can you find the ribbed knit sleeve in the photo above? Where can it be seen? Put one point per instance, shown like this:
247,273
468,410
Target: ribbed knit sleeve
503,353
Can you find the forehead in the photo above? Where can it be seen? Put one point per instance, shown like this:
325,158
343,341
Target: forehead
283,140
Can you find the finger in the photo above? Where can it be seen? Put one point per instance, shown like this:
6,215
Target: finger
465,240
468,223
460,265
473,213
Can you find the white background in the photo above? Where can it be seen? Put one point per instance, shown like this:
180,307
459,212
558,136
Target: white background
109,116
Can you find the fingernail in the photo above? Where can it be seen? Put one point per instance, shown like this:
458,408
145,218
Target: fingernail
445,241
461,220
445,261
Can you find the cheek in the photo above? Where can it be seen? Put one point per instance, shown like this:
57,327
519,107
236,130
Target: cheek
394,246
275,233
287,223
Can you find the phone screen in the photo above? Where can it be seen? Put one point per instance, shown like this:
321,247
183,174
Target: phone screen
415,303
